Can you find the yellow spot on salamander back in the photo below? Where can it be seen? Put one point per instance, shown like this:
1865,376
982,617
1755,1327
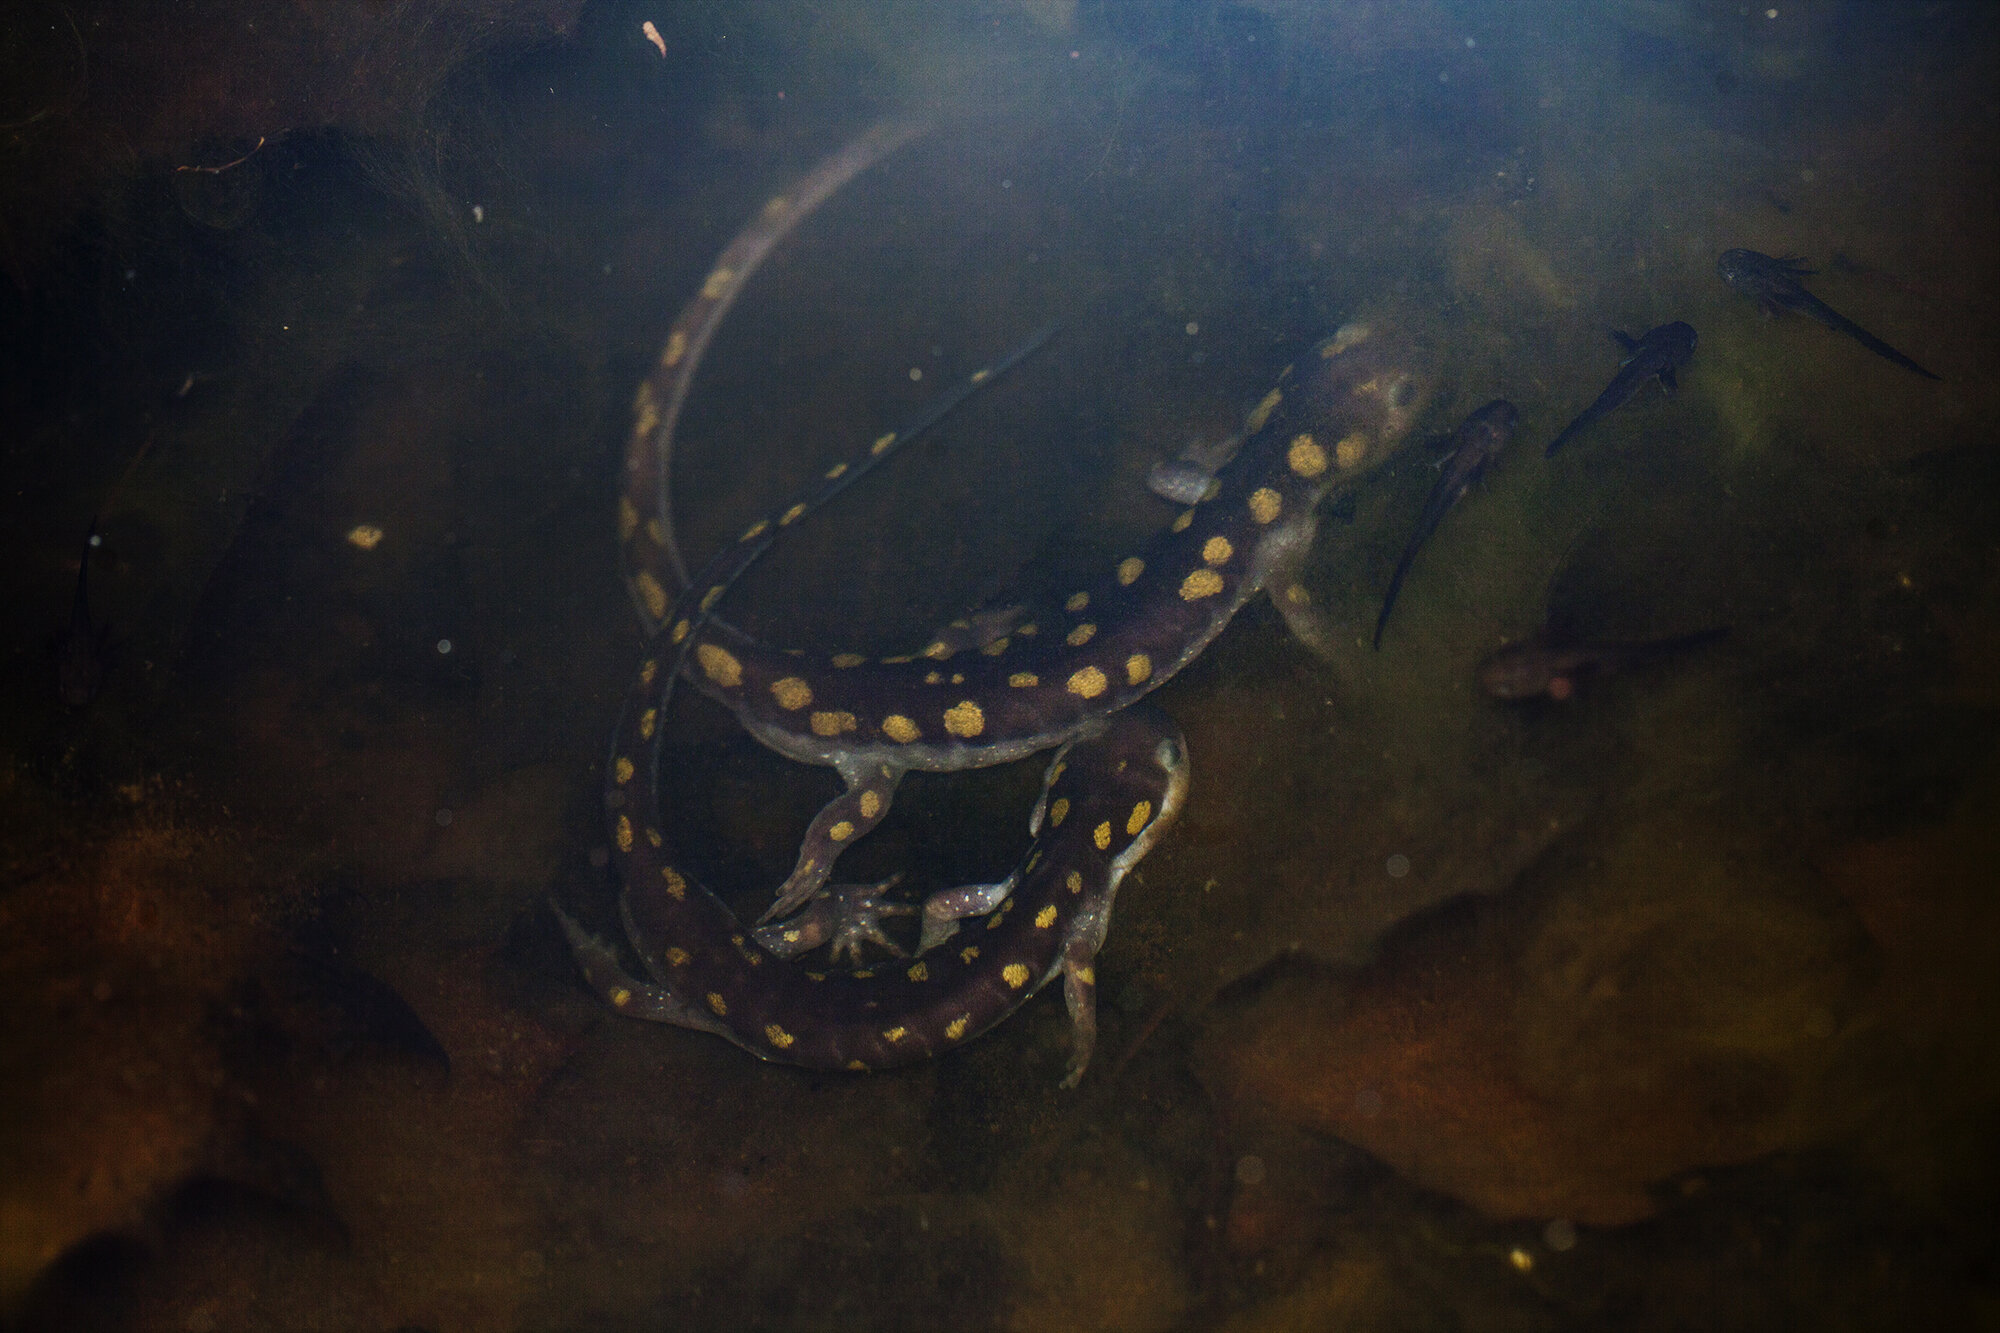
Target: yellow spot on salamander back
777,1036
856,1067
1262,412
834,723
620,997
1140,814
956,1028
995,647
755,530
717,1003
1129,570
1181,520
1024,680
718,283
651,593
1101,835
645,407
1081,635
677,345
1015,975
918,972
1075,881
711,597
776,208
845,661
895,1034
836,472
1046,917
1058,811
842,831
648,721
1138,669
1217,550
621,769
1087,683
678,957
968,953
871,804
1202,583
792,515
1265,504
938,651
1087,975
1077,601
719,665
881,445
628,523
791,693
653,837
966,720
1305,457
657,531
647,670
677,885
681,628
1351,452
624,833
900,729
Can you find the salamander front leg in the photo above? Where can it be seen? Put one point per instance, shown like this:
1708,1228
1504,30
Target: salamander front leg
848,816
846,916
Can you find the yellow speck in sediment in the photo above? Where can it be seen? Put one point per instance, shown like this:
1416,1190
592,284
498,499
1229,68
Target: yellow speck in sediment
918,972
1046,917
792,515
791,693
1077,601
1351,452
1024,680
719,665
1087,683
1140,814
881,445
717,1003
966,720
624,833
832,723
678,957
1081,635
968,953
871,804
621,769
677,885
777,1036
1015,975
1265,504
1138,669
1058,811
648,720
1305,457
620,997
1262,412
1129,570
1101,835
1217,550
846,661
651,593
836,472
900,729
895,1034
628,523
1075,881
718,283
842,831
755,530
1202,583
956,1028
677,345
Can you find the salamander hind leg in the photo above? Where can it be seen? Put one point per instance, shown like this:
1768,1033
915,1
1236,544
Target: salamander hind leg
846,818
843,916
1080,995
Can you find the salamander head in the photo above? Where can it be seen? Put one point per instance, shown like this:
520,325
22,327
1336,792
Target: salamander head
1369,384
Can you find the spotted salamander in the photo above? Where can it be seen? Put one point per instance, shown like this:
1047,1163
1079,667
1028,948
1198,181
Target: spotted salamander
1070,683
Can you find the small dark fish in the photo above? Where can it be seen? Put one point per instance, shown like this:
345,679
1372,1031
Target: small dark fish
1775,285
84,650
1655,356
1475,444
1539,669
